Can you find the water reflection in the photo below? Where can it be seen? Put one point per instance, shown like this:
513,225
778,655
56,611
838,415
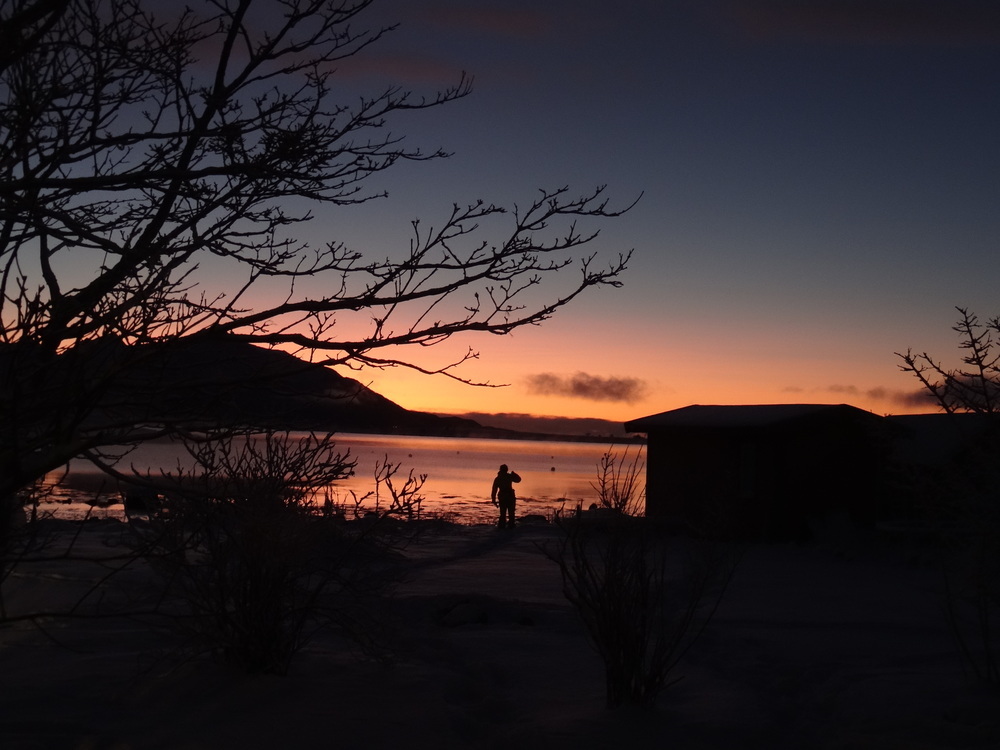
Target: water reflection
459,472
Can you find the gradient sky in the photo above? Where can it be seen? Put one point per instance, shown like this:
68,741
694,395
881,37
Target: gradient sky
820,181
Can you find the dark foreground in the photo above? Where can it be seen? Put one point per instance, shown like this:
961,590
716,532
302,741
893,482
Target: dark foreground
836,645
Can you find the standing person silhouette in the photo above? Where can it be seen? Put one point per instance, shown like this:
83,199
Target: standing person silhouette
503,490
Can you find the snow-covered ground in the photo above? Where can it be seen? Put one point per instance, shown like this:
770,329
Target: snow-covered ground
836,645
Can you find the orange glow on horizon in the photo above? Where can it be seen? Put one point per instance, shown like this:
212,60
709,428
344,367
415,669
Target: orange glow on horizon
679,369
444,396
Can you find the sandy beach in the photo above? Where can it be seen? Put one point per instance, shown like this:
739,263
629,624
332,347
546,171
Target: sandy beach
832,644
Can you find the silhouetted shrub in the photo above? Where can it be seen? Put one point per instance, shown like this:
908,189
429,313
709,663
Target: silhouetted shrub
644,597
966,518
252,566
620,483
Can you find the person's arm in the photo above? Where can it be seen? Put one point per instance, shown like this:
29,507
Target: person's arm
493,493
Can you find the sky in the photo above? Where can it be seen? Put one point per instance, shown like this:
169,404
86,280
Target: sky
819,182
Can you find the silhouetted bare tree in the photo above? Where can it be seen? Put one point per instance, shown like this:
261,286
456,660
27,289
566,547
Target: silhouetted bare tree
964,498
155,163
973,387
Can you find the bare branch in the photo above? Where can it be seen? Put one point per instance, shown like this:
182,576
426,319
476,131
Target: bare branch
155,167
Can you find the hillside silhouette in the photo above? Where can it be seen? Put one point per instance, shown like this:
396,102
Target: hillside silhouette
203,381
221,380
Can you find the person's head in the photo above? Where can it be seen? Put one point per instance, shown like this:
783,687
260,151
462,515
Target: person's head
503,468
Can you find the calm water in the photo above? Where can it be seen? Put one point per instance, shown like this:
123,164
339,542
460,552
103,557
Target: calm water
459,471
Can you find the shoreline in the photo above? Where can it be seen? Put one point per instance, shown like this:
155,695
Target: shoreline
557,476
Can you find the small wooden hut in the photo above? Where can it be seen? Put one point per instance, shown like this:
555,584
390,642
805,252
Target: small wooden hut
763,471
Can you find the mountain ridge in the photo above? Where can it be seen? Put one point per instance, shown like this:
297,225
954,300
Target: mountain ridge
224,380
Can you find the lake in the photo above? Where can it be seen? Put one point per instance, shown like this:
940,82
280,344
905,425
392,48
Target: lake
460,471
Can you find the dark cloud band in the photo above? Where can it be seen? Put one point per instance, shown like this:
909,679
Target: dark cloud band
871,21
896,398
591,387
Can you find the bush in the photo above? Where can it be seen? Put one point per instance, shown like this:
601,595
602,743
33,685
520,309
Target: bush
966,516
252,565
619,484
644,600
644,597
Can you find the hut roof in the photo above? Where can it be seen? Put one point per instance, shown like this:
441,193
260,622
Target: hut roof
737,416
